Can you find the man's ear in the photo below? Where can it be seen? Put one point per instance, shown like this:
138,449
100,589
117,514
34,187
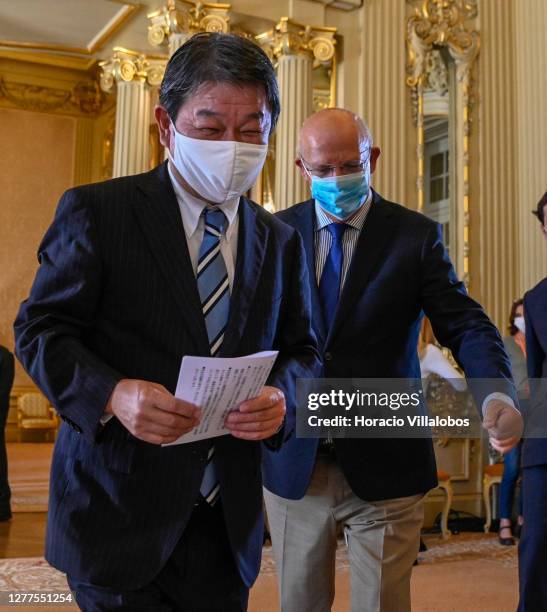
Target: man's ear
374,155
303,172
164,126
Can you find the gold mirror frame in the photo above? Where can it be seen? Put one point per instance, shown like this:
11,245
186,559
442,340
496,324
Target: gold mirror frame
435,24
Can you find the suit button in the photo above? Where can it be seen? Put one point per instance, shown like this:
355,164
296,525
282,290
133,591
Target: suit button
328,356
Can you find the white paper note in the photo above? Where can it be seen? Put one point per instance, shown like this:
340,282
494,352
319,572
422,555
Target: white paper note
218,385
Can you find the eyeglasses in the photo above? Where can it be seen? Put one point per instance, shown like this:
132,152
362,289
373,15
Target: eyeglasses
349,167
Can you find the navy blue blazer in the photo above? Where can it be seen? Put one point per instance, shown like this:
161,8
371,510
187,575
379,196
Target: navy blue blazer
534,450
399,270
115,297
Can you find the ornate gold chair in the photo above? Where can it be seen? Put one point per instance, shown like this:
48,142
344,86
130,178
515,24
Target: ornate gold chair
491,475
35,413
445,483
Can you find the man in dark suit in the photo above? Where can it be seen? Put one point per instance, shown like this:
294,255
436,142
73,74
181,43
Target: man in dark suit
6,382
533,544
134,274
375,268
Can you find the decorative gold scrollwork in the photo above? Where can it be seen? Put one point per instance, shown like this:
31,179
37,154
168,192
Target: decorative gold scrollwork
292,38
127,66
83,98
440,23
184,17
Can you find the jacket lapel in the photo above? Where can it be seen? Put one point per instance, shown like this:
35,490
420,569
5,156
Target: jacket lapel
251,248
373,240
304,222
159,216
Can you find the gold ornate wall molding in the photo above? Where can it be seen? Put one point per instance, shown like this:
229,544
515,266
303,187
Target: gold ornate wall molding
440,23
83,98
433,25
342,5
70,62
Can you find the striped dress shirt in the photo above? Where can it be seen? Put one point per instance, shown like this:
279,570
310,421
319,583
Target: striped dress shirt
323,239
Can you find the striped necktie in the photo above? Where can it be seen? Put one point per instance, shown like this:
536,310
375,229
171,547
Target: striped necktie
214,292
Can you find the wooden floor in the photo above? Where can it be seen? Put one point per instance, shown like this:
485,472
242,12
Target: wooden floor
23,535
28,467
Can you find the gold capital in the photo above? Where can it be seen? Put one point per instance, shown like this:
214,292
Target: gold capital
185,17
292,38
127,66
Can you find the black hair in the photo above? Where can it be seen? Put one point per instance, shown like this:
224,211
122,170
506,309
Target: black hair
513,329
218,58
540,211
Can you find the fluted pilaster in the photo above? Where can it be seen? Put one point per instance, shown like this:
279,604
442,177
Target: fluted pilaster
383,99
494,250
294,47
294,74
531,92
83,152
133,74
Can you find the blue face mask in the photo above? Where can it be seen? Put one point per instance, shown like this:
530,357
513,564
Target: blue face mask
341,196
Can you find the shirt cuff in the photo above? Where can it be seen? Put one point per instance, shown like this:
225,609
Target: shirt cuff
498,396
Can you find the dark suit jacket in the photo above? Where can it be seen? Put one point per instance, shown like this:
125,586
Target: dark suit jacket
7,372
534,451
399,270
115,297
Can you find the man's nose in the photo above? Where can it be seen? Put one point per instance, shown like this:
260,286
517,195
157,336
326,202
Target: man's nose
230,133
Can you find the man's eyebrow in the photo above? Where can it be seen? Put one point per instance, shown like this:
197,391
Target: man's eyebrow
205,112
258,115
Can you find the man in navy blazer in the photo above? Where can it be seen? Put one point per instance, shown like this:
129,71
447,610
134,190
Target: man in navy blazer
134,274
533,544
386,265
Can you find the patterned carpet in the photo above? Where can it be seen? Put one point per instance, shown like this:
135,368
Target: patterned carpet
37,574
33,574
463,547
469,547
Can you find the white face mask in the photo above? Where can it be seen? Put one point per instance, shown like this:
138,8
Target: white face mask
218,170
519,324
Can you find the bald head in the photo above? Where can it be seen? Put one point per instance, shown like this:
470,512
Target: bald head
334,137
331,128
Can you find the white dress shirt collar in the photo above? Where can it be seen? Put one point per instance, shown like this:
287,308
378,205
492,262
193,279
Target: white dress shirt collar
192,208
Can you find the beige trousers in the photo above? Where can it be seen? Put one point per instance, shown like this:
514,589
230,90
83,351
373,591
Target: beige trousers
383,539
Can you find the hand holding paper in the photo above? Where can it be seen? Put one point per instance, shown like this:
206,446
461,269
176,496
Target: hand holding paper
259,418
220,386
150,412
